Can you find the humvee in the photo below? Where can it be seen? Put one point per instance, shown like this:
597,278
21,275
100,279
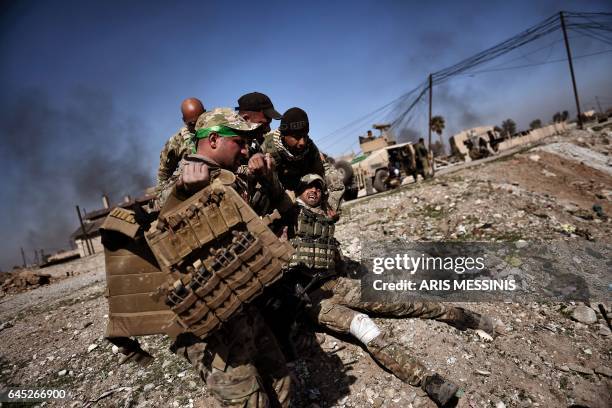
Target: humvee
382,164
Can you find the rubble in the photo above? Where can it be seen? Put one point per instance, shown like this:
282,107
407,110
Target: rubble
584,314
24,280
540,359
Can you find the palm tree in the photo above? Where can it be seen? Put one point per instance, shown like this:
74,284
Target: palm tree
509,127
437,126
536,123
564,116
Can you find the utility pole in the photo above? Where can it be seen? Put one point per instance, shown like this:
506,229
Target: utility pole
85,236
598,104
23,257
429,123
571,66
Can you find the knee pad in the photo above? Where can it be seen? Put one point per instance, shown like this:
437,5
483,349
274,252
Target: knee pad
240,386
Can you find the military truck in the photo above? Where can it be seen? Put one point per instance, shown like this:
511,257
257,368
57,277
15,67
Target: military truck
382,165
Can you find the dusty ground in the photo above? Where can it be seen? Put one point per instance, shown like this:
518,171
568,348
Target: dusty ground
52,336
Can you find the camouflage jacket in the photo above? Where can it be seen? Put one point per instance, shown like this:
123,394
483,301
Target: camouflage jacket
177,147
292,168
263,196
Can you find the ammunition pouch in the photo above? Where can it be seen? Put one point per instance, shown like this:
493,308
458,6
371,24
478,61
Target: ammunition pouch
219,254
314,242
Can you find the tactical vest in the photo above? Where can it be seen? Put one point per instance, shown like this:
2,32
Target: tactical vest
133,277
219,254
314,242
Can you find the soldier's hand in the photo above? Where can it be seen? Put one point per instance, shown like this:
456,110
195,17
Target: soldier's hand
332,214
194,177
261,165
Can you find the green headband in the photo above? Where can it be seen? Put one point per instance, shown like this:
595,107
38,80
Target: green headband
221,130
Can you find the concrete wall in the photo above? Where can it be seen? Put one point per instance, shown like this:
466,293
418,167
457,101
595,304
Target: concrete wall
76,267
82,247
459,149
457,142
533,136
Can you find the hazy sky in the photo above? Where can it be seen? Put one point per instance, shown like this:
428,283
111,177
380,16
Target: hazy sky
91,89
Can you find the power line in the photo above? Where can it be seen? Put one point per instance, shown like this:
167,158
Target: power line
404,105
535,64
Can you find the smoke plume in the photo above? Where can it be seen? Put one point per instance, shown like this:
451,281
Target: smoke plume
59,155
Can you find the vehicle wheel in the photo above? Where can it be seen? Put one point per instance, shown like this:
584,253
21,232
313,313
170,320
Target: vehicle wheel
380,180
346,170
350,193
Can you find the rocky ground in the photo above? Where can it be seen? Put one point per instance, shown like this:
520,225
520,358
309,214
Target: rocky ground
551,355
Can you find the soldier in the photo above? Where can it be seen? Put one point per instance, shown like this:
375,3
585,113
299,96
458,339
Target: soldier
241,362
335,304
296,155
256,107
422,160
181,143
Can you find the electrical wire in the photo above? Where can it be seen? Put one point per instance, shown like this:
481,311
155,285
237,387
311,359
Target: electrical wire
402,109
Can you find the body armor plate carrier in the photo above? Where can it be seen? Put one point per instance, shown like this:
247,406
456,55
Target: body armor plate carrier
219,253
314,242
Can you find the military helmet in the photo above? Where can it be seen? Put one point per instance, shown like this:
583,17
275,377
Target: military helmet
224,121
308,179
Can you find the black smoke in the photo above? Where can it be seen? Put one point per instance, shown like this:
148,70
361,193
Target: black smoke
60,154
408,134
457,108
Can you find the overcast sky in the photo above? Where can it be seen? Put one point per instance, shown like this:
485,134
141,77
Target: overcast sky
91,89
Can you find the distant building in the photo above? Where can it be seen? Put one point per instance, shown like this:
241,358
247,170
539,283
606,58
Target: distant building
92,221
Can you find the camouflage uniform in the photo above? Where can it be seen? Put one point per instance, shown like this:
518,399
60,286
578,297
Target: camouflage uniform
178,146
336,305
335,185
291,168
422,161
241,363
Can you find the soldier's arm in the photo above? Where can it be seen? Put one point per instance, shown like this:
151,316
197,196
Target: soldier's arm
189,178
167,188
266,190
169,159
335,186
333,179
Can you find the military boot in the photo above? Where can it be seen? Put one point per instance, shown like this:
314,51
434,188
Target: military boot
464,319
139,356
131,351
395,359
441,391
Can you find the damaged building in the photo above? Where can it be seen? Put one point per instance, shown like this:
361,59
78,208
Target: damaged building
87,238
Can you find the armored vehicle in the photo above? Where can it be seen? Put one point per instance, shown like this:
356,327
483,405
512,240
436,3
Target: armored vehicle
382,165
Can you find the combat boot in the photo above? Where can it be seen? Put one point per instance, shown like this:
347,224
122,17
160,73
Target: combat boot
139,356
441,391
131,351
463,319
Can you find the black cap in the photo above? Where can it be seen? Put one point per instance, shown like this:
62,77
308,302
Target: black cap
258,102
294,122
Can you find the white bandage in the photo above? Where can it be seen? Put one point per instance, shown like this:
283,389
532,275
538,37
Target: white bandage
364,328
